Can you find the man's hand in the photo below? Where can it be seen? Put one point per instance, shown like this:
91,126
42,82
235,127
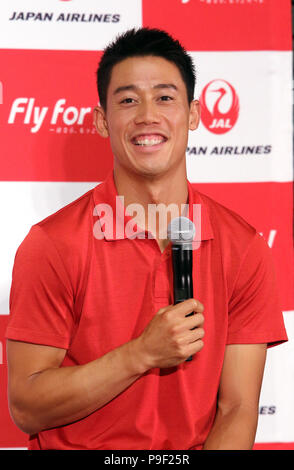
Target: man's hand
171,337
38,402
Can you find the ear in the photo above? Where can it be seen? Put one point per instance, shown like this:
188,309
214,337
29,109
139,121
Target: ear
100,121
194,116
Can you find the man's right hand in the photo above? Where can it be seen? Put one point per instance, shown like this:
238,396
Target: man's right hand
171,337
38,402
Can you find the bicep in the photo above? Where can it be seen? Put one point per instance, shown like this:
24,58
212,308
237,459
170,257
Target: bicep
242,375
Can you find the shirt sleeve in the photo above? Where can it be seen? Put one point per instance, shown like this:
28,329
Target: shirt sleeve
41,296
255,315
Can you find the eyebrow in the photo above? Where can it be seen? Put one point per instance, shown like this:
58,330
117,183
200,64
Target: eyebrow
135,88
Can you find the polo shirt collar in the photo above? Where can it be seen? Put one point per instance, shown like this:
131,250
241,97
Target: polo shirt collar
111,212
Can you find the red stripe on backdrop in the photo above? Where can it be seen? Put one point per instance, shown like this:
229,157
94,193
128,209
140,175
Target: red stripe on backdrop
223,25
269,208
46,117
274,446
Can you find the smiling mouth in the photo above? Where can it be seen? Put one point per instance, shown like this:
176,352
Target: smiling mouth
148,140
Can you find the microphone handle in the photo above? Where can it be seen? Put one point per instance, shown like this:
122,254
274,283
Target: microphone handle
182,276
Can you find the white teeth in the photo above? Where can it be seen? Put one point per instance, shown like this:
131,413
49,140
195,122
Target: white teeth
148,142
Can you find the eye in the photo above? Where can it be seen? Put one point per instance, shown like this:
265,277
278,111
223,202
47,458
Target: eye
127,100
166,98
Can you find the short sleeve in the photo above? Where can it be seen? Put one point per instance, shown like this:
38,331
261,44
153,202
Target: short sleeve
41,295
255,314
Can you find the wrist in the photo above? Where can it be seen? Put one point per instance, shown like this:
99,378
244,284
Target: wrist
137,356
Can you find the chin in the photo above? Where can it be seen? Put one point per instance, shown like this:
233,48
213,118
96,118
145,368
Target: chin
152,172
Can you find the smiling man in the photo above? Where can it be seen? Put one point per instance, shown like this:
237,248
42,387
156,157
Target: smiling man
147,117
96,349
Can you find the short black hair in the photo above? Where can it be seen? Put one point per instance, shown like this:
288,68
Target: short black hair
144,42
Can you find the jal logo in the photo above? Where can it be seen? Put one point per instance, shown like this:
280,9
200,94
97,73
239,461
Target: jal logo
219,106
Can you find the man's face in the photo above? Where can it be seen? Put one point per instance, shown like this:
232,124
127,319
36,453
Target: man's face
148,116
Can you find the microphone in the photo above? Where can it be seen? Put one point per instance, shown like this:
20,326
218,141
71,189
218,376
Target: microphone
180,232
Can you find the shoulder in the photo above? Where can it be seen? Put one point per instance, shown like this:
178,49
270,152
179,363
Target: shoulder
62,237
236,244
230,229
224,218
70,220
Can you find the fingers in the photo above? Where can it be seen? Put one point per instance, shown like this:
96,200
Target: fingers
198,306
189,306
192,336
188,313
184,308
190,327
194,321
189,343
185,321
172,336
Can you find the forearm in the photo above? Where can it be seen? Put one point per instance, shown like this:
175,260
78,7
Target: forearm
58,396
43,395
233,429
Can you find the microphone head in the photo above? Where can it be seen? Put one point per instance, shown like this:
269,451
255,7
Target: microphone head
181,231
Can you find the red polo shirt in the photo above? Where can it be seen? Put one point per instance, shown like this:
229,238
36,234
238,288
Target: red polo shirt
87,295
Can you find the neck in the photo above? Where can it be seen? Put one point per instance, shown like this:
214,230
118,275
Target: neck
160,199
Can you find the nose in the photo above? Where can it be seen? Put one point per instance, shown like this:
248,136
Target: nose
147,113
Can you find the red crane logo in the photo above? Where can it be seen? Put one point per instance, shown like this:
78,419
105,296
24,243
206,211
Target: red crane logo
220,114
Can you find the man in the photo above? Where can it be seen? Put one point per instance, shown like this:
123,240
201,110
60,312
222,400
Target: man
96,349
